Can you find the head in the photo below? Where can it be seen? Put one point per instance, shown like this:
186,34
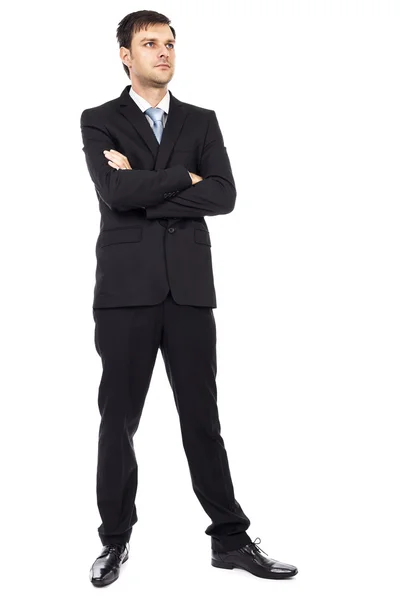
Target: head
146,40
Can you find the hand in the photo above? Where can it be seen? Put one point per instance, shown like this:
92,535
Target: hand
117,160
195,178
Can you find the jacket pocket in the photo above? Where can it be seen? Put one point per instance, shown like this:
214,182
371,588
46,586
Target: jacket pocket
123,235
202,236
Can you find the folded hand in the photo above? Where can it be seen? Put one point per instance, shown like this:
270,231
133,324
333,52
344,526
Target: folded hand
117,160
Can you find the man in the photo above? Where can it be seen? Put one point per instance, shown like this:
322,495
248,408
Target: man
159,166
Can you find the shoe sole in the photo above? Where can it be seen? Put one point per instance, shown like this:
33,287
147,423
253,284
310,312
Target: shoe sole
226,565
100,583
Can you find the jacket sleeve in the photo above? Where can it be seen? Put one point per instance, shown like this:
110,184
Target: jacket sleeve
215,194
124,189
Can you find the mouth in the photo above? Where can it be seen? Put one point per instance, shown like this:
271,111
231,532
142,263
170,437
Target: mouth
163,66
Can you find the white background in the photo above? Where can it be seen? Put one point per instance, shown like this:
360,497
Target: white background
307,278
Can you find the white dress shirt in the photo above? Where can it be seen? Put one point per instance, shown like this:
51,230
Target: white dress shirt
144,105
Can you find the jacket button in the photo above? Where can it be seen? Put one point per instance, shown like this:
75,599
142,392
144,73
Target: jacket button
171,229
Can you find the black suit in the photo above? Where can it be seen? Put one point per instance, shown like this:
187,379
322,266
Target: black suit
132,267
155,289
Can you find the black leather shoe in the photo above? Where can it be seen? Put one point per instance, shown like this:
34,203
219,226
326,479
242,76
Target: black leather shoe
249,557
105,569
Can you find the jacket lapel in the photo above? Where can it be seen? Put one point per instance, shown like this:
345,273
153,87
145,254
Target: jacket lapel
175,120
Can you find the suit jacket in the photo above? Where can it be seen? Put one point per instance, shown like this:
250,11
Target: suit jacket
153,236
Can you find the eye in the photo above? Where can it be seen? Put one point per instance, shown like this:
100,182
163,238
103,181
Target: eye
169,44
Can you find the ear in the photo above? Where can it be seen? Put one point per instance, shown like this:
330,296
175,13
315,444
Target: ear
124,55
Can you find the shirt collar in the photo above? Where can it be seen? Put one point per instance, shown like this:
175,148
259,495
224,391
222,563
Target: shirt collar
144,104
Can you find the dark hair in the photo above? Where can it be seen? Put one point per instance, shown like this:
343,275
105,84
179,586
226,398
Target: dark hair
135,22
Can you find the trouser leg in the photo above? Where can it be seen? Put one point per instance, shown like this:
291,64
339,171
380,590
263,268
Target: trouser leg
188,346
127,340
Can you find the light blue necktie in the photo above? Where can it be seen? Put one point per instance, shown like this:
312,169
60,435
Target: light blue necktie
156,115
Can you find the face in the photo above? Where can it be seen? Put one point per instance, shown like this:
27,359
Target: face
150,48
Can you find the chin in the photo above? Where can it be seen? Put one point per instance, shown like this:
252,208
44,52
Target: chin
164,80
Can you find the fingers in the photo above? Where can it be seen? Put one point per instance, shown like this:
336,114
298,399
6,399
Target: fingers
114,165
117,160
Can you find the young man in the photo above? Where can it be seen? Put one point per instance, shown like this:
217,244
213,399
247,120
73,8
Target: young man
159,166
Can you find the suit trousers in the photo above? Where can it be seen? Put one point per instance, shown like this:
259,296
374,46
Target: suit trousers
127,339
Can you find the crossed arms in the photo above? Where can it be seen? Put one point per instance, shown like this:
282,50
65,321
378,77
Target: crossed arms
127,189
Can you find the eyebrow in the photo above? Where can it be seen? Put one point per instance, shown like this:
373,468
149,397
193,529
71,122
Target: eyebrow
146,39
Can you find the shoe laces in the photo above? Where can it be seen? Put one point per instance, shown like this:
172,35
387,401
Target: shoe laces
116,548
254,545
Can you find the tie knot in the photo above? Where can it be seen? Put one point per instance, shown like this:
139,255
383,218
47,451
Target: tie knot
155,113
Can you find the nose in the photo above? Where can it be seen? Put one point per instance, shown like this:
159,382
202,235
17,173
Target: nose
164,52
